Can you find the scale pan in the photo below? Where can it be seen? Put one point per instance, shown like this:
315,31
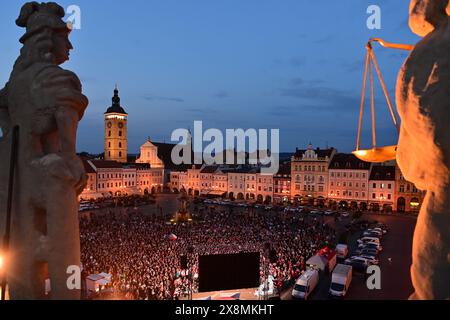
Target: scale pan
381,154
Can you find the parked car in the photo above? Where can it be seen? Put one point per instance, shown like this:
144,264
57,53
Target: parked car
369,240
329,213
380,230
370,259
367,251
376,246
372,234
345,214
357,264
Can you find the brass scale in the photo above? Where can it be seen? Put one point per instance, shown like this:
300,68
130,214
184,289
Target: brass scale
385,153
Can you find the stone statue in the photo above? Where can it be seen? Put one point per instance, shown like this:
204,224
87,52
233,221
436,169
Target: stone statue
46,102
423,100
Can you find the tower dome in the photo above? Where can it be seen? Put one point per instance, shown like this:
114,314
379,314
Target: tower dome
116,107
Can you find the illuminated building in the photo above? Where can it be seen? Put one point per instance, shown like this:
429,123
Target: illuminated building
348,185
116,131
282,184
309,175
407,197
382,188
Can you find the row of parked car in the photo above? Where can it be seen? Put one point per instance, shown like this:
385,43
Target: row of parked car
368,248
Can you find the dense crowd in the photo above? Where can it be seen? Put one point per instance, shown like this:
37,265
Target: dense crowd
145,263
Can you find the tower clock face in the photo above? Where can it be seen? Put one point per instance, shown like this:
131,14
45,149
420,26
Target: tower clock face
109,125
120,125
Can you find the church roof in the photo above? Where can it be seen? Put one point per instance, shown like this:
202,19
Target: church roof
116,107
165,154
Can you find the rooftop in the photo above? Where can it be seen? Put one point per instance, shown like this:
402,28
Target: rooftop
383,173
116,107
344,161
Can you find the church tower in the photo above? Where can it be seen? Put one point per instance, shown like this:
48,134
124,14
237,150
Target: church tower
116,131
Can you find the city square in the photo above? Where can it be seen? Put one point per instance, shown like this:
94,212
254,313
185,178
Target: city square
206,152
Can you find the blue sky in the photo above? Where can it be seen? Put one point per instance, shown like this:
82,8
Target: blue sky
296,65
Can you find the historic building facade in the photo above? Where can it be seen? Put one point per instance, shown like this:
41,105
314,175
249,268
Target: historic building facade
382,188
282,184
116,143
407,197
309,175
348,185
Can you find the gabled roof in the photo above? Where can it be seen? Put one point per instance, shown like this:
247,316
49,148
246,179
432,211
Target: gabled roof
321,153
165,154
344,161
105,164
285,169
383,173
209,169
87,167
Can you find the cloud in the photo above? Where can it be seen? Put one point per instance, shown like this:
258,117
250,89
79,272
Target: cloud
159,98
297,61
325,39
320,97
221,95
354,66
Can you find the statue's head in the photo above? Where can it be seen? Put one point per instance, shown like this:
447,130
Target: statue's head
47,35
427,15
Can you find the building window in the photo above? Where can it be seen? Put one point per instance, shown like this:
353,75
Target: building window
389,197
374,196
120,133
109,133
120,154
109,144
389,186
120,144
374,185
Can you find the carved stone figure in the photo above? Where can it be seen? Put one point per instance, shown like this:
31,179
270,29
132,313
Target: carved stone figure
46,102
423,100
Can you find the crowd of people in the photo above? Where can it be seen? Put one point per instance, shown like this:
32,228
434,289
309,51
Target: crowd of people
144,261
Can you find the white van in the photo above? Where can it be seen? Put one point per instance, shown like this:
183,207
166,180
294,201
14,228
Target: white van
341,280
306,284
342,251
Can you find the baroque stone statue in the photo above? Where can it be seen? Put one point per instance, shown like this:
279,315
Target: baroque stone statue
423,100
46,102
